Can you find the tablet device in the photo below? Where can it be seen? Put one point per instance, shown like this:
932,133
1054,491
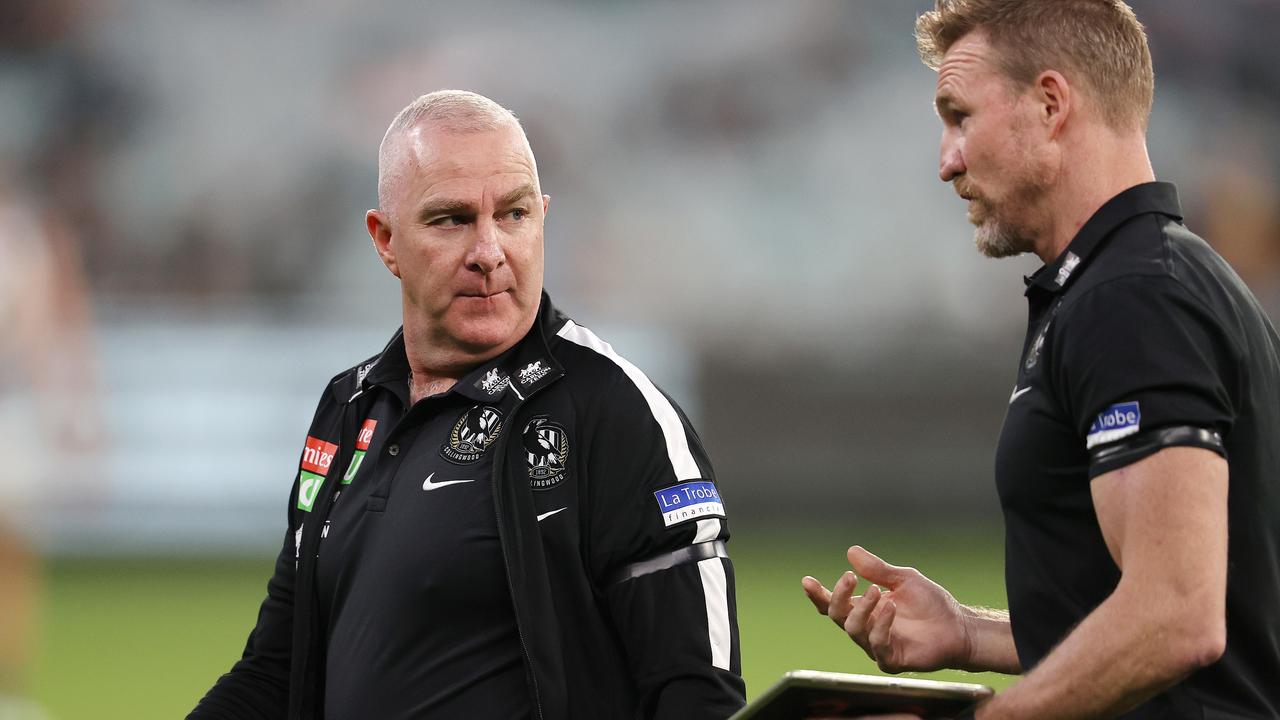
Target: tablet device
802,694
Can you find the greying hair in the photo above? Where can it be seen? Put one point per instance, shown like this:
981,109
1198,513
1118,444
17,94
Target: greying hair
1099,41
459,111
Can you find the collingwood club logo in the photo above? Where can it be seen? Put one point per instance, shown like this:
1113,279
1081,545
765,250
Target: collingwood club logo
546,446
1033,352
493,382
1033,355
474,432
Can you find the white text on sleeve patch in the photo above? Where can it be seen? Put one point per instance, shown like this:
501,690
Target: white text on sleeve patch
689,501
1118,421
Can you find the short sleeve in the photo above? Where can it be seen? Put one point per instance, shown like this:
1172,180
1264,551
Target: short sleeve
1140,364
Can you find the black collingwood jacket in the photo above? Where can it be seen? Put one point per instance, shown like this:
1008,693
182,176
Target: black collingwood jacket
628,611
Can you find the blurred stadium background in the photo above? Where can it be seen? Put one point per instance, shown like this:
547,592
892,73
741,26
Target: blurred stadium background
744,200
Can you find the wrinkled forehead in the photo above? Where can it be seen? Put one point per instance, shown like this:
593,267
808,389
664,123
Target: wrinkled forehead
971,64
968,55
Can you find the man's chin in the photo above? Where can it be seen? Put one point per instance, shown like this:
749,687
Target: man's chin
996,241
484,338
485,335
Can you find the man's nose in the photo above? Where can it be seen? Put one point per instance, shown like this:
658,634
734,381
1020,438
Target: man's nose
486,254
951,160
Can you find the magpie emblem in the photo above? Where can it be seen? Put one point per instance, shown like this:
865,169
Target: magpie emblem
546,446
472,434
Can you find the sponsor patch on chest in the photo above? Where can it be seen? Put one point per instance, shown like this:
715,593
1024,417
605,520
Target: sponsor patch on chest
317,457
363,438
689,501
1118,421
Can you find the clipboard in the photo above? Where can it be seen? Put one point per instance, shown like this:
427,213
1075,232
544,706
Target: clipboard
802,694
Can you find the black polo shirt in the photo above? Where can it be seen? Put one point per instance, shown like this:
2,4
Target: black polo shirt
1141,337
412,587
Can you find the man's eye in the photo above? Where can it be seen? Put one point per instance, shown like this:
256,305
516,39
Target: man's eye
518,213
449,221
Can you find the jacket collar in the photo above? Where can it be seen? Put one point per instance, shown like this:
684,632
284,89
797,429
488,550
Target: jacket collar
525,368
1152,197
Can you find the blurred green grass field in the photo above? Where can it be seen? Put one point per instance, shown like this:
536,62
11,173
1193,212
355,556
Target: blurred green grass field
141,639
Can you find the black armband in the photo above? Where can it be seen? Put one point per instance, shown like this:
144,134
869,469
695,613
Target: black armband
1136,447
692,553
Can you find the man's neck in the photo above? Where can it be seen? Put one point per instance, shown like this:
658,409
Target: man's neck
1109,165
435,364
421,386
431,370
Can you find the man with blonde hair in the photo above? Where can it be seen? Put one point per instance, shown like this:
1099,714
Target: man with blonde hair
1141,432
497,516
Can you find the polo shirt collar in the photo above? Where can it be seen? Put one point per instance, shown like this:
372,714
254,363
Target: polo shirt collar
390,365
524,368
1152,197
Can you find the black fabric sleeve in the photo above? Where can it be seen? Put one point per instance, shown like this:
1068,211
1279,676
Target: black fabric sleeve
1139,354
673,608
257,686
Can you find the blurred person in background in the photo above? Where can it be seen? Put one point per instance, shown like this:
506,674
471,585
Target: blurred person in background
496,516
57,118
47,413
1142,429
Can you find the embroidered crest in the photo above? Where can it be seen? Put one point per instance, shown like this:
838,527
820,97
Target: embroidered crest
474,432
533,372
494,382
1033,355
546,445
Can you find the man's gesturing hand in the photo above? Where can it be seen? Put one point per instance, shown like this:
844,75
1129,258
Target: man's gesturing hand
912,624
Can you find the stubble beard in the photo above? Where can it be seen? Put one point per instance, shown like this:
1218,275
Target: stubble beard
996,237
998,233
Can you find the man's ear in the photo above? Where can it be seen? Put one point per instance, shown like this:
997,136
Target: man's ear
1055,100
380,233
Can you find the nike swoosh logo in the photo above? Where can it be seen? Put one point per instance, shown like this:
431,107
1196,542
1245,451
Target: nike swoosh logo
546,515
1018,393
429,486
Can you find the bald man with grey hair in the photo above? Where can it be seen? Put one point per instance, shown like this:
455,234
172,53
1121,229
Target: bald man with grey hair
496,516
460,111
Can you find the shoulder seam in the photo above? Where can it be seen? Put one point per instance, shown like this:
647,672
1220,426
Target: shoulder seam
1165,263
1169,276
683,463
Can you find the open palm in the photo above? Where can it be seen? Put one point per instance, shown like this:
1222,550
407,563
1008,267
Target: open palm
912,624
